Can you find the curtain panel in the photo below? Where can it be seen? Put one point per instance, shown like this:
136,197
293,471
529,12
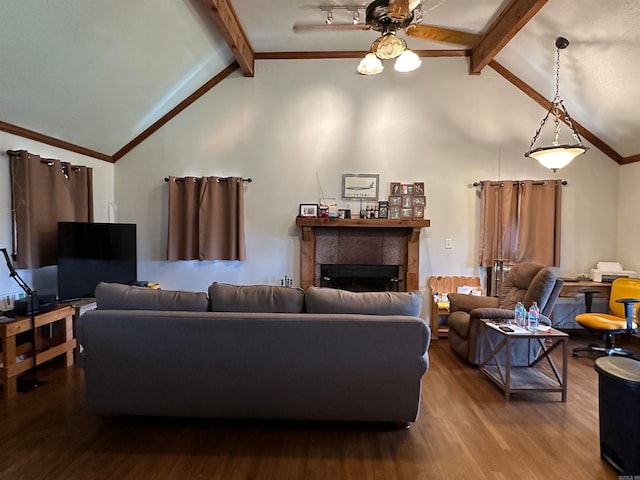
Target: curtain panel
43,193
520,222
206,219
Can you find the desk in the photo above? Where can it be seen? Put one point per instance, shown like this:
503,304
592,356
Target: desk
59,341
571,289
530,377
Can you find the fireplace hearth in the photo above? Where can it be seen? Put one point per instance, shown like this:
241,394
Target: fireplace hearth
360,278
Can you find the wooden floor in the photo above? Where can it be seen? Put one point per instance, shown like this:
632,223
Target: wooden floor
465,430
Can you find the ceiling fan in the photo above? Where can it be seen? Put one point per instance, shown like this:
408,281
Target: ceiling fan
388,17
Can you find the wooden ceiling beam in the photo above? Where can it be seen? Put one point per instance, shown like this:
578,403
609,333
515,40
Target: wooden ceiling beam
226,21
504,28
546,104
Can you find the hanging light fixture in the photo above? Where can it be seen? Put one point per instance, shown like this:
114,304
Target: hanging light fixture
386,47
557,156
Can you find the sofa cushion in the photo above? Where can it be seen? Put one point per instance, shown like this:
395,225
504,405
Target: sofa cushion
224,297
333,300
115,296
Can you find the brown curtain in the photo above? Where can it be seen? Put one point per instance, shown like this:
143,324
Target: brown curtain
43,193
520,222
206,219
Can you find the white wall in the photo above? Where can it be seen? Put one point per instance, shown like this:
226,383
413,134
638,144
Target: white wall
299,121
628,224
44,280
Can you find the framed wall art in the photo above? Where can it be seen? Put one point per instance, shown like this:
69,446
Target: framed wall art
360,186
394,212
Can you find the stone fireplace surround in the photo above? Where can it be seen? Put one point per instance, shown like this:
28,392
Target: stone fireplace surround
360,241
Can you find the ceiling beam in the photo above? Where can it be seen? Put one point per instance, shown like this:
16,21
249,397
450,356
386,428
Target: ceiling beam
226,21
509,22
175,111
546,104
351,54
54,142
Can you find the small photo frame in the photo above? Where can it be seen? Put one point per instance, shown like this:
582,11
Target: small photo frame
407,201
308,210
395,201
394,212
406,213
395,188
360,186
418,211
418,188
419,201
407,189
384,212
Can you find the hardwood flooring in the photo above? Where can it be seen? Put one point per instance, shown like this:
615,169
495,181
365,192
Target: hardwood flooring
466,430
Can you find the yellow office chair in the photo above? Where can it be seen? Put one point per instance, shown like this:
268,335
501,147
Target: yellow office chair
625,294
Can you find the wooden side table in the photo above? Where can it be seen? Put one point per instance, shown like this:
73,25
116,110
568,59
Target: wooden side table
59,342
527,378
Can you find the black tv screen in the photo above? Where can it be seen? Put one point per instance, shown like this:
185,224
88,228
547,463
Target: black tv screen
90,253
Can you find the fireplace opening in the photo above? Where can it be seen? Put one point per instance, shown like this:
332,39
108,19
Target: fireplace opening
361,278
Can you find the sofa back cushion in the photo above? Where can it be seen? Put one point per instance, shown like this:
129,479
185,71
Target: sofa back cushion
333,300
115,296
224,297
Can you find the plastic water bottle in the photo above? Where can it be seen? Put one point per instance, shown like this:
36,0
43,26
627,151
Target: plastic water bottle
521,315
534,317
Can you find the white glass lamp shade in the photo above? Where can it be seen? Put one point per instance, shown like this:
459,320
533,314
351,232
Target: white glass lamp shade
370,65
407,62
556,157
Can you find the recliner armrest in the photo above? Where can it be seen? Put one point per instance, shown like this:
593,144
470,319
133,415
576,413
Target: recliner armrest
493,313
466,303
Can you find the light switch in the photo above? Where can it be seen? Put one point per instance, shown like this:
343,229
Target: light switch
448,243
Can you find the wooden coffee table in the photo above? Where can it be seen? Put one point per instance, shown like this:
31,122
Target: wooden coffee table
531,377
57,341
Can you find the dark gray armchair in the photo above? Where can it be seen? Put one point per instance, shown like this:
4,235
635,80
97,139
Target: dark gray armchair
526,282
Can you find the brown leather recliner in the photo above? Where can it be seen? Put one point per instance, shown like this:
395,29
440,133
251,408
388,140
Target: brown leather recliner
526,282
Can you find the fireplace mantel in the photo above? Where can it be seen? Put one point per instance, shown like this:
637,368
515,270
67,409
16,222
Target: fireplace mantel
313,227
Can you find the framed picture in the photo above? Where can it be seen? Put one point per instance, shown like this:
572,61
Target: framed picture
384,211
407,201
395,188
360,186
406,212
308,210
407,189
419,201
418,188
418,211
394,212
395,201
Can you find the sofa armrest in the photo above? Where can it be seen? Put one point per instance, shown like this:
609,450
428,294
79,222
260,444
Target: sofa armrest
466,303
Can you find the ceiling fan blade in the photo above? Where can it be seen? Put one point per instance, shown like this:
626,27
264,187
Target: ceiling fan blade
439,34
299,27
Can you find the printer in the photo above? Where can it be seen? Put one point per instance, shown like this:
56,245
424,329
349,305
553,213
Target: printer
609,271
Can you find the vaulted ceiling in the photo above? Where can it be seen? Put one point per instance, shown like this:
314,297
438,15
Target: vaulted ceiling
98,76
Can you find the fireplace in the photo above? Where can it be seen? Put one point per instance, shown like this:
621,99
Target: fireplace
360,278
359,242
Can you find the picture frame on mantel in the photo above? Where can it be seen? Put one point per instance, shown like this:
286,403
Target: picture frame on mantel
360,186
308,210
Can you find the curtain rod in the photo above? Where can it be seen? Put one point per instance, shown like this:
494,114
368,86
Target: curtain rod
248,180
495,184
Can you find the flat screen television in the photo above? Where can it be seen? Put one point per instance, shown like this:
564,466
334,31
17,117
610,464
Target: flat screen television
90,253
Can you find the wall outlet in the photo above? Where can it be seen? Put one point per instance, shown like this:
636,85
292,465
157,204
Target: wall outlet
448,243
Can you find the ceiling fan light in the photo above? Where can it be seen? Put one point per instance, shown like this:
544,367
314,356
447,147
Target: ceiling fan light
388,46
407,62
556,157
370,65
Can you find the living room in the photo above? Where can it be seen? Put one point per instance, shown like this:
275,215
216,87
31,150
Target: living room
297,125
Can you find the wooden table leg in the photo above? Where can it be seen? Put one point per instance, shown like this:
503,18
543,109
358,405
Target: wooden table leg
8,360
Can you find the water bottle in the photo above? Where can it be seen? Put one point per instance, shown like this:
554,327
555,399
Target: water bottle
520,314
534,317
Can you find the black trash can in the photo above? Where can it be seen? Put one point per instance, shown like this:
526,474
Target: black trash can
619,407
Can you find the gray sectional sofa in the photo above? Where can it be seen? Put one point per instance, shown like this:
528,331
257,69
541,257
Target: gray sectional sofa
259,352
